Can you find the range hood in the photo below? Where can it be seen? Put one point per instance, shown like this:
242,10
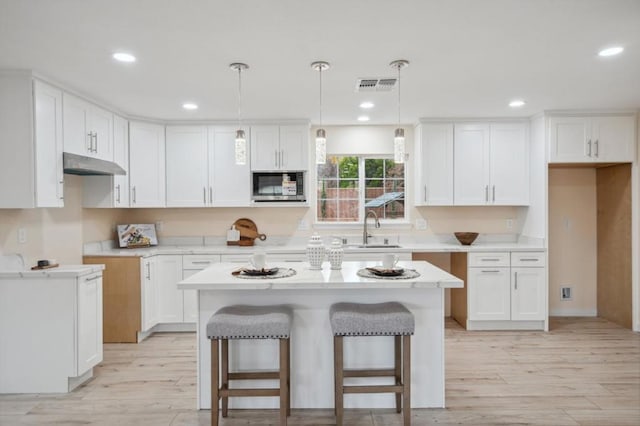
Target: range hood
75,164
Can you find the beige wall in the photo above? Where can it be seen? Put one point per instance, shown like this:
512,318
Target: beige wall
573,240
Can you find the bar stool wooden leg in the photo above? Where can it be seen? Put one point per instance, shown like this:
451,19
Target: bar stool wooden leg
397,346
289,377
284,391
406,379
339,378
214,382
225,375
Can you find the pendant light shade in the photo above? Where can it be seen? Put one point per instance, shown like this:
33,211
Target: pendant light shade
321,135
398,138
241,140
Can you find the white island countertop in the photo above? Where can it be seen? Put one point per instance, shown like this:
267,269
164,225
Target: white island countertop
218,277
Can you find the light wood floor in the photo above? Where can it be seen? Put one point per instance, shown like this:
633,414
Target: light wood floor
583,372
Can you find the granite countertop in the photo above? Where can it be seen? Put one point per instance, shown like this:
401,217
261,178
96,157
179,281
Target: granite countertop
218,277
62,271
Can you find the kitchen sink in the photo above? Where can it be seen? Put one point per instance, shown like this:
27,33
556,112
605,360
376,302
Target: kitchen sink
375,246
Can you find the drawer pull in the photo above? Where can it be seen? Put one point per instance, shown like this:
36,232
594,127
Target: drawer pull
491,271
490,260
529,259
93,278
198,262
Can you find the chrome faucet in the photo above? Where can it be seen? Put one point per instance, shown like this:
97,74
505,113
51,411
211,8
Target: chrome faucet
365,233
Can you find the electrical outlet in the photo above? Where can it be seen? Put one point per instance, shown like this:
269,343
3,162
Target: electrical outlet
22,235
421,224
509,224
566,293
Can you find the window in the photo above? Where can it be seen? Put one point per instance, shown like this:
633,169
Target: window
340,180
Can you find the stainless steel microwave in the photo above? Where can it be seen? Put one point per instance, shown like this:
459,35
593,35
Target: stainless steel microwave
278,186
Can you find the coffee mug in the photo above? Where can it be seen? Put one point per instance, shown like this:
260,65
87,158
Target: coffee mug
389,260
258,260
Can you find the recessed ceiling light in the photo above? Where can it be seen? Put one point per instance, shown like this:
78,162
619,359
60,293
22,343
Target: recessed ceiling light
611,51
124,57
363,118
516,103
189,106
367,105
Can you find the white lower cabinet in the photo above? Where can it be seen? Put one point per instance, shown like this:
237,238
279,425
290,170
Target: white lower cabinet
506,290
192,264
149,293
170,299
50,331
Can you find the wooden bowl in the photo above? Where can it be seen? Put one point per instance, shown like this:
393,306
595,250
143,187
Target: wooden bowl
466,238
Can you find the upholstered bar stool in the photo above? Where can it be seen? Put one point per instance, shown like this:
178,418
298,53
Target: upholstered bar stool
249,322
379,319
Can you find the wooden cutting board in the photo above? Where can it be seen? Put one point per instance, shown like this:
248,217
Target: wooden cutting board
248,229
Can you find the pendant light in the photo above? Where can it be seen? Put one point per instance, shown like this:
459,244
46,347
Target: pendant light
241,139
398,139
321,135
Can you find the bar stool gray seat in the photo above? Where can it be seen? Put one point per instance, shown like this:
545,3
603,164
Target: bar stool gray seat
249,322
378,319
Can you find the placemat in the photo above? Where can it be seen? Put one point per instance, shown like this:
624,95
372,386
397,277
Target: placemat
282,273
408,273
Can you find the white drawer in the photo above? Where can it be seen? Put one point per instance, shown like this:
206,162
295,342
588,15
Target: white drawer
528,258
196,261
488,259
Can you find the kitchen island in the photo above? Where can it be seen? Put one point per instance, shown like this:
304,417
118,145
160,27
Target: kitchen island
310,293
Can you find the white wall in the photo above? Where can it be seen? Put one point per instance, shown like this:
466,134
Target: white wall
573,240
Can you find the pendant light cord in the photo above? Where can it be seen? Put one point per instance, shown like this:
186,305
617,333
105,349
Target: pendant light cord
320,72
239,96
399,66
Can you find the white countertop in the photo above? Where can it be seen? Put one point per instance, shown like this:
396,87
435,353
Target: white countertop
218,277
62,271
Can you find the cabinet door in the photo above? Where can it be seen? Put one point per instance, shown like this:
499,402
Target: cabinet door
528,291
229,183
488,293
190,299
613,139
187,165
509,164
471,156
169,273
265,147
149,293
294,141
101,124
146,165
569,140
89,322
434,165
76,133
121,157
48,136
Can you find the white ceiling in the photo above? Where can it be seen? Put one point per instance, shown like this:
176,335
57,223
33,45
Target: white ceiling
468,58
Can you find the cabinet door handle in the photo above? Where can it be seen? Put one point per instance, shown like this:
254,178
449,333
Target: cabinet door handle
118,194
148,271
92,278
89,142
211,194
589,145
204,194
133,194
515,284
276,157
425,193
95,135
62,185
489,271
282,158
486,193
596,147
494,194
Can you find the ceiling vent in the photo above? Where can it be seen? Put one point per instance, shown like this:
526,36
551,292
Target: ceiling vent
385,84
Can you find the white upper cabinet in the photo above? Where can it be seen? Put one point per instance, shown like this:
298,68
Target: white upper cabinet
201,169
279,147
111,191
491,164
31,143
434,164
88,129
147,165
605,139
229,183
187,166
